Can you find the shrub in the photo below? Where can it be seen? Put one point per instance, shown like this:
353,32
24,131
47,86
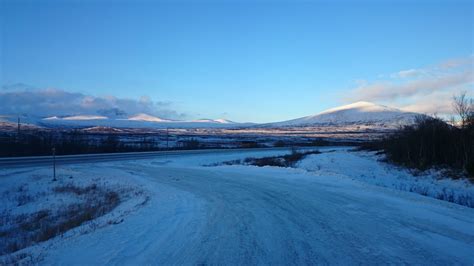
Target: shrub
429,142
288,160
280,143
249,144
191,144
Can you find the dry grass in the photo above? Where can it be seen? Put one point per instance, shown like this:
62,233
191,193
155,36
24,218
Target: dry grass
20,231
288,160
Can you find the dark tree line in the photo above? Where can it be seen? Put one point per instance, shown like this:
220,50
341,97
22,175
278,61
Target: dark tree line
432,142
34,143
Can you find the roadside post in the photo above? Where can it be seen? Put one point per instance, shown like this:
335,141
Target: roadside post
54,164
167,138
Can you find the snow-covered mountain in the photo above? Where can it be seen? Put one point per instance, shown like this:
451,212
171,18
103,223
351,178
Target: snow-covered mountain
356,113
219,121
223,121
77,117
147,118
141,120
356,116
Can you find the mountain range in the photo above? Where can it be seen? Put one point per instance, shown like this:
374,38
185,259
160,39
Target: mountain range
359,113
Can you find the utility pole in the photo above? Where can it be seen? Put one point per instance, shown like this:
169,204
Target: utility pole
18,126
54,164
167,138
18,130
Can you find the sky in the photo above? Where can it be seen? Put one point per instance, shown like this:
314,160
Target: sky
258,61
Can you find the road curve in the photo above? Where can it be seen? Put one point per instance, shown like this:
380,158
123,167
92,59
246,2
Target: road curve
254,216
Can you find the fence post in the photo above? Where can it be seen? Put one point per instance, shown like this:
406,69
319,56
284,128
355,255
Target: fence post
167,138
54,164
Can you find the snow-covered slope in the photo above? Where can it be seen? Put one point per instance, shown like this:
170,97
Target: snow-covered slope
224,121
355,113
85,117
218,121
141,120
147,118
350,117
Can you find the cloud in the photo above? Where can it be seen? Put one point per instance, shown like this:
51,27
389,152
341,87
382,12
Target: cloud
426,90
410,73
457,62
19,99
437,103
391,91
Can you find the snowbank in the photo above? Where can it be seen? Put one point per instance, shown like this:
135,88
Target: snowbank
37,211
368,167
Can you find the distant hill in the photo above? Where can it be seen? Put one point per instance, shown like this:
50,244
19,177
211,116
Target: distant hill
363,113
355,116
141,120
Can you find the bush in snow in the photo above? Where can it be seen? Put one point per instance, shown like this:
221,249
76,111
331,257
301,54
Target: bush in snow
23,230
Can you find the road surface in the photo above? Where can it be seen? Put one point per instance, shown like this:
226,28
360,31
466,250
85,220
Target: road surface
104,157
249,216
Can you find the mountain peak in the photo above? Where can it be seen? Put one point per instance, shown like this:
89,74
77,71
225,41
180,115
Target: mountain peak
147,118
355,113
360,106
224,121
213,121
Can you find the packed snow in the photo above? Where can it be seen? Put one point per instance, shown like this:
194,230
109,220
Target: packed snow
337,207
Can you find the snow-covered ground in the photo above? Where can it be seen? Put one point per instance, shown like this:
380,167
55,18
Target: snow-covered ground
338,207
368,168
35,207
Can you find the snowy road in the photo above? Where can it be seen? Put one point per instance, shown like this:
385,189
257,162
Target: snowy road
248,215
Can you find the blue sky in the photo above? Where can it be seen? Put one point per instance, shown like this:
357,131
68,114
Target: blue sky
255,61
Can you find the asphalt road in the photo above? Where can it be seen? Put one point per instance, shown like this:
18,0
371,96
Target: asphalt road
103,157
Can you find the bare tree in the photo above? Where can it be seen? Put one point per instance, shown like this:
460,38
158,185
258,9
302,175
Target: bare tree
463,107
470,116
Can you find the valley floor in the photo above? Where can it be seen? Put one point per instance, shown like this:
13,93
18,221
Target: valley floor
337,207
